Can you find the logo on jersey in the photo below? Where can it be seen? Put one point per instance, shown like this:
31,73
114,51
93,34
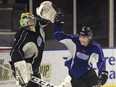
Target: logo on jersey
82,56
39,41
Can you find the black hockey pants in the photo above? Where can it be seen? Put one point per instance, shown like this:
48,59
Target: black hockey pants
89,79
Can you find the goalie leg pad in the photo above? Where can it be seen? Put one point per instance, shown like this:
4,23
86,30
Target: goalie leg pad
23,74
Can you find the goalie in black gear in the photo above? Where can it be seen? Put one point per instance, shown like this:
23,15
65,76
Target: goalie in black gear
26,53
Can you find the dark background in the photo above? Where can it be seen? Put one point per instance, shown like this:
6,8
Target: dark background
93,13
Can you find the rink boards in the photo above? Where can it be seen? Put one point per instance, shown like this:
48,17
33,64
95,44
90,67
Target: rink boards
53,69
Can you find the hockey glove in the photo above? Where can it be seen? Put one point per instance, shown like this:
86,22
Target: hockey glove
59,19
102,79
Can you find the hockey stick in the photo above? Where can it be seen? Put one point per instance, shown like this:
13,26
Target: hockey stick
47,84
43,82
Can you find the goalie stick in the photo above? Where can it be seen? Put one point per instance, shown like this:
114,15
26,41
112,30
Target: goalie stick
47,84
43,82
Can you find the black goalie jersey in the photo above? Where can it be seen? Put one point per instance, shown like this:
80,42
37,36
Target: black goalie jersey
29,46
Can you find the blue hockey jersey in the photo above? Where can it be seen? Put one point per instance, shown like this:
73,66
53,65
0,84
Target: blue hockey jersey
82,58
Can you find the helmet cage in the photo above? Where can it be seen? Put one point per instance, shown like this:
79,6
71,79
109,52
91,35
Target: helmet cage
24,19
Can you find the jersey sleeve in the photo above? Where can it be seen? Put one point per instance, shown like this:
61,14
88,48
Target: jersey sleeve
60,35
101,64
41,22
16,53
66,39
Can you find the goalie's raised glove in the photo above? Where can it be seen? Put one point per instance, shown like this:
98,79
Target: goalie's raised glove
46,11
103,76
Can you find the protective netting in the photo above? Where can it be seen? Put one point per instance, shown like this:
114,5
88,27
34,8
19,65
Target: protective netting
6,77
52,61
4,58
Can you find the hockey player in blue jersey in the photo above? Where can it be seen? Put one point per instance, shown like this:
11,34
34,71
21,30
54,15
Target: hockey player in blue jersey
86,55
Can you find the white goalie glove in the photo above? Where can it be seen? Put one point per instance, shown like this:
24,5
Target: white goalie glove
23,72
46,11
